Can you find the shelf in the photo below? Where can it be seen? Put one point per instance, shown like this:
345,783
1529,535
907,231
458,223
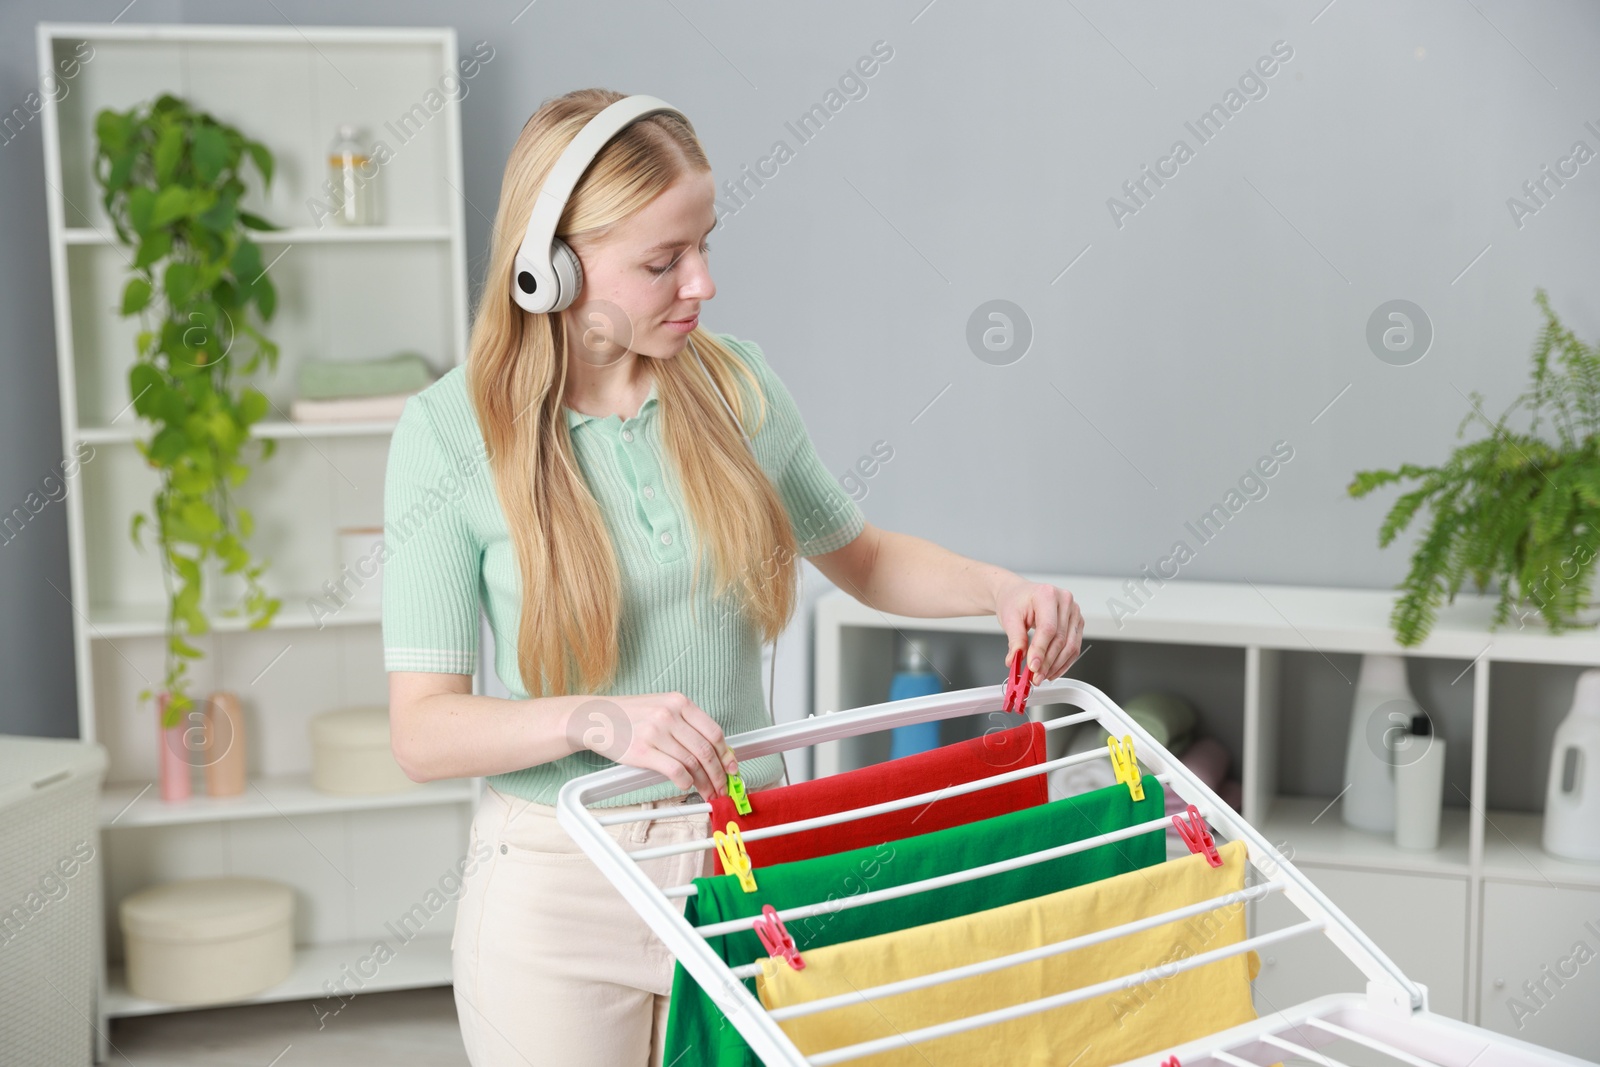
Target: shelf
86,235
1240,614
140,803
419,963
106,435
1513,848
1294,822
151,620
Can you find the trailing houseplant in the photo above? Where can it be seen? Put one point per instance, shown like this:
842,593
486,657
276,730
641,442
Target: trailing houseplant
172,179
1515,507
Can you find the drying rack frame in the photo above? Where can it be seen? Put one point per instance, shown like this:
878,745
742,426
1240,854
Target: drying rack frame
1391,1016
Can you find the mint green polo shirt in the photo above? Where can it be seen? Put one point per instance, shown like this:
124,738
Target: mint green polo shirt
449,555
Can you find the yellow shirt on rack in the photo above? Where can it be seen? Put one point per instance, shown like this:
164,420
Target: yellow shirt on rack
1165,1011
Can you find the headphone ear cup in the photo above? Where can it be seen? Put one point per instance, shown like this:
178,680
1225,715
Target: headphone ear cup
568,272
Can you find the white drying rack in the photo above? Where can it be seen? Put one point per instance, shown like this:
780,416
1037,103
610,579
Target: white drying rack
1391,1017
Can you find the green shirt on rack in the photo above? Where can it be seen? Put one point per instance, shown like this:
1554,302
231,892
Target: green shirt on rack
449,552
696,1028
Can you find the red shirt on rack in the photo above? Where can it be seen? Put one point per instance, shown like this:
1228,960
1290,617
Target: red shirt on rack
924,772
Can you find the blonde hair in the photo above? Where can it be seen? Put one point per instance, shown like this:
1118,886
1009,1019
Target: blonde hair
517,373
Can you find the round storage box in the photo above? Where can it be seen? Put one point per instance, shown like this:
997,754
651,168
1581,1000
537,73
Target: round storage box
350,752
207,940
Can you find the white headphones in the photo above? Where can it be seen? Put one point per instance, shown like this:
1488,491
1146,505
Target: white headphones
546,276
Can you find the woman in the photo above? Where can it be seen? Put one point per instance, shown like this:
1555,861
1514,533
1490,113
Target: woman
571,478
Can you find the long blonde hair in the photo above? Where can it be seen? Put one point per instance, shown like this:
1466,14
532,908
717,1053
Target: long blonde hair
517,375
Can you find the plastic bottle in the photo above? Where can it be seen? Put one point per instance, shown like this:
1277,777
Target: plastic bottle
914,677
351,179
1418,786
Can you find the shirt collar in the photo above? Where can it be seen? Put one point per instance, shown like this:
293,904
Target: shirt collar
578,418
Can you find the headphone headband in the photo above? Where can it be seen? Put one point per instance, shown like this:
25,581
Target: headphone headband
545,275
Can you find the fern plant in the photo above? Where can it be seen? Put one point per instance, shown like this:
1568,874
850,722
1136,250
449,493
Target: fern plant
172,178
1514,507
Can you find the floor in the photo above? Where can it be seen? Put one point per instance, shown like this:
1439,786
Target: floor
407,1028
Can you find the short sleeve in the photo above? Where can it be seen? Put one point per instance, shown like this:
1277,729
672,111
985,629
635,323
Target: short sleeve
431,569
823,516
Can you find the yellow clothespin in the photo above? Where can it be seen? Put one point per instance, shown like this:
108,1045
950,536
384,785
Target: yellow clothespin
741,802
1126,765
735,860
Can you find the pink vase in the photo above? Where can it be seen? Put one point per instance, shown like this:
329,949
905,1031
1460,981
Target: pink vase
174,757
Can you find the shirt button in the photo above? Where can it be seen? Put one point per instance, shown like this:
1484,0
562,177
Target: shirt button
502,850
649,493
666,538
627,435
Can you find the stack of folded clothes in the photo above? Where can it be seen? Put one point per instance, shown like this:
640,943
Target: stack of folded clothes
358,390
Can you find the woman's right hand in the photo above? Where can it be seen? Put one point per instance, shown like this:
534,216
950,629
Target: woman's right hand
663,732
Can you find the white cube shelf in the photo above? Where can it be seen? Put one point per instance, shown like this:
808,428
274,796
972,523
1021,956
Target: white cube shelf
364,869
1272,672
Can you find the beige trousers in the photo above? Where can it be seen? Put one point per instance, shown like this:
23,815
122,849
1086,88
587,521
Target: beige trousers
550,964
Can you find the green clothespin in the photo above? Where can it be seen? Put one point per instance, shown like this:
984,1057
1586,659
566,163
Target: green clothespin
741,803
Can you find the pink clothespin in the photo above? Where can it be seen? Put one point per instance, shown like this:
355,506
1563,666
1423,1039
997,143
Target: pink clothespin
775,938
1192,828
1170,1061
1018,684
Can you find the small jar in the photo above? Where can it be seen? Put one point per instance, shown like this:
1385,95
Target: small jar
352,175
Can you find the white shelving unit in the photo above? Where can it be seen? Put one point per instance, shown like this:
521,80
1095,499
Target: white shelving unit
1272,672
365,869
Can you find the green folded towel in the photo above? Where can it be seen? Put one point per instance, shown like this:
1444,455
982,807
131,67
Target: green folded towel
335,379
1168,718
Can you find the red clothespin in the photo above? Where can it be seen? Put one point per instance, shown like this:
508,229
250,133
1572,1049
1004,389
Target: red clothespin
1171,1061
775,938
1192,828
1018,684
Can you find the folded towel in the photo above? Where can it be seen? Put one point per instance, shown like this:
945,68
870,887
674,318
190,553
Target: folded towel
1167,717
351,409
333,379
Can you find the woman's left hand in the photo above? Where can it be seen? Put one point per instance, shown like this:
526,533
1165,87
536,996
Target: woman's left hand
1055,619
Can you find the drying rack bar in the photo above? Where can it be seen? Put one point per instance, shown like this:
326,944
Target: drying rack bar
970,970
1386,982
939,881
852,814
1421,1039
875,809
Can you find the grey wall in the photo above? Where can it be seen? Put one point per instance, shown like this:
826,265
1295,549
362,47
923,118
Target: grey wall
1223,315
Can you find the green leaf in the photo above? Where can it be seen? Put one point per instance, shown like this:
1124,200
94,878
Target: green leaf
202,517
111,130
266,297
121,171
153,247
210,153
246,265
172,203
167,445
169,150
220,216
256,222
263,160
135,295
252,406
141,203
179,281
146,387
